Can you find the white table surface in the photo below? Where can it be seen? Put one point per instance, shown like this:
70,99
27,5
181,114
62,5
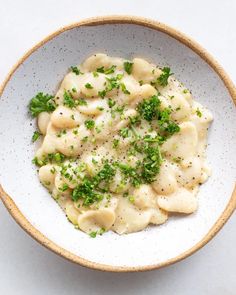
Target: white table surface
28,268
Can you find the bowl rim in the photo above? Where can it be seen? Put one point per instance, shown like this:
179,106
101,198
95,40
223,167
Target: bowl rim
189,42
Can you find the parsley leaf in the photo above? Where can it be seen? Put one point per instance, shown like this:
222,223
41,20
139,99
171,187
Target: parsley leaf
41,103
149,108
163,78
151,163
93,234
82,102
102,93
35,136
50,158
64,187
166,124
128,67
76,70
199,113
89,190
115,143
124,89
89,124
68,100
88,86
124,132
108,71
111,103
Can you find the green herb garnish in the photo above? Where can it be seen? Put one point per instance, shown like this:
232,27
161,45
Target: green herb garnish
199,113
91,188
108,71
102,93
149,108
163,78
124,89
124,132
88,86
89,124
68,100
76,70
115,143
41,103
64,187
36,136
82,102
111,103
128,67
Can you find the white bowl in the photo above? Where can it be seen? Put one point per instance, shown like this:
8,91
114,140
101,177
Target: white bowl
42,68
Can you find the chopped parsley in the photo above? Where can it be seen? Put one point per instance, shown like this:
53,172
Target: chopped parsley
124,132
149,108
93,234
50,158
151,163
68,100
89,124
64,187
82,102
41,103
115,143
91,188
111,103
36,136
76,70
100,232
108,71
128,67
199,113
124,89
88,86
166,125
112,83
102,93
163,78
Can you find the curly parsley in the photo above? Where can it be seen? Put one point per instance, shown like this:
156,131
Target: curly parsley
41,103
163,79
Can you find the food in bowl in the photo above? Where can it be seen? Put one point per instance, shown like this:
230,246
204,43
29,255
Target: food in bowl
123,145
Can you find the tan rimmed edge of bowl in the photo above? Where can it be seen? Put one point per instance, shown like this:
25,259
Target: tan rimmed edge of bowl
43,240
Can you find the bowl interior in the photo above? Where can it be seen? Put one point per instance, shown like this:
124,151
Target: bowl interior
43,70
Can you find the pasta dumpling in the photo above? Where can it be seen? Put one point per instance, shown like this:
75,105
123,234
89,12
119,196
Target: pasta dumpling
181,201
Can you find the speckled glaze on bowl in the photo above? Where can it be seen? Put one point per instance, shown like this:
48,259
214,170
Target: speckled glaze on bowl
42,68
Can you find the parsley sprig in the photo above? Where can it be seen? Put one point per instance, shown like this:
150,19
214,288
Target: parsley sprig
41,103
163,78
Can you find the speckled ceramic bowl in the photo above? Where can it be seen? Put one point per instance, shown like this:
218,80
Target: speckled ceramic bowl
41,69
